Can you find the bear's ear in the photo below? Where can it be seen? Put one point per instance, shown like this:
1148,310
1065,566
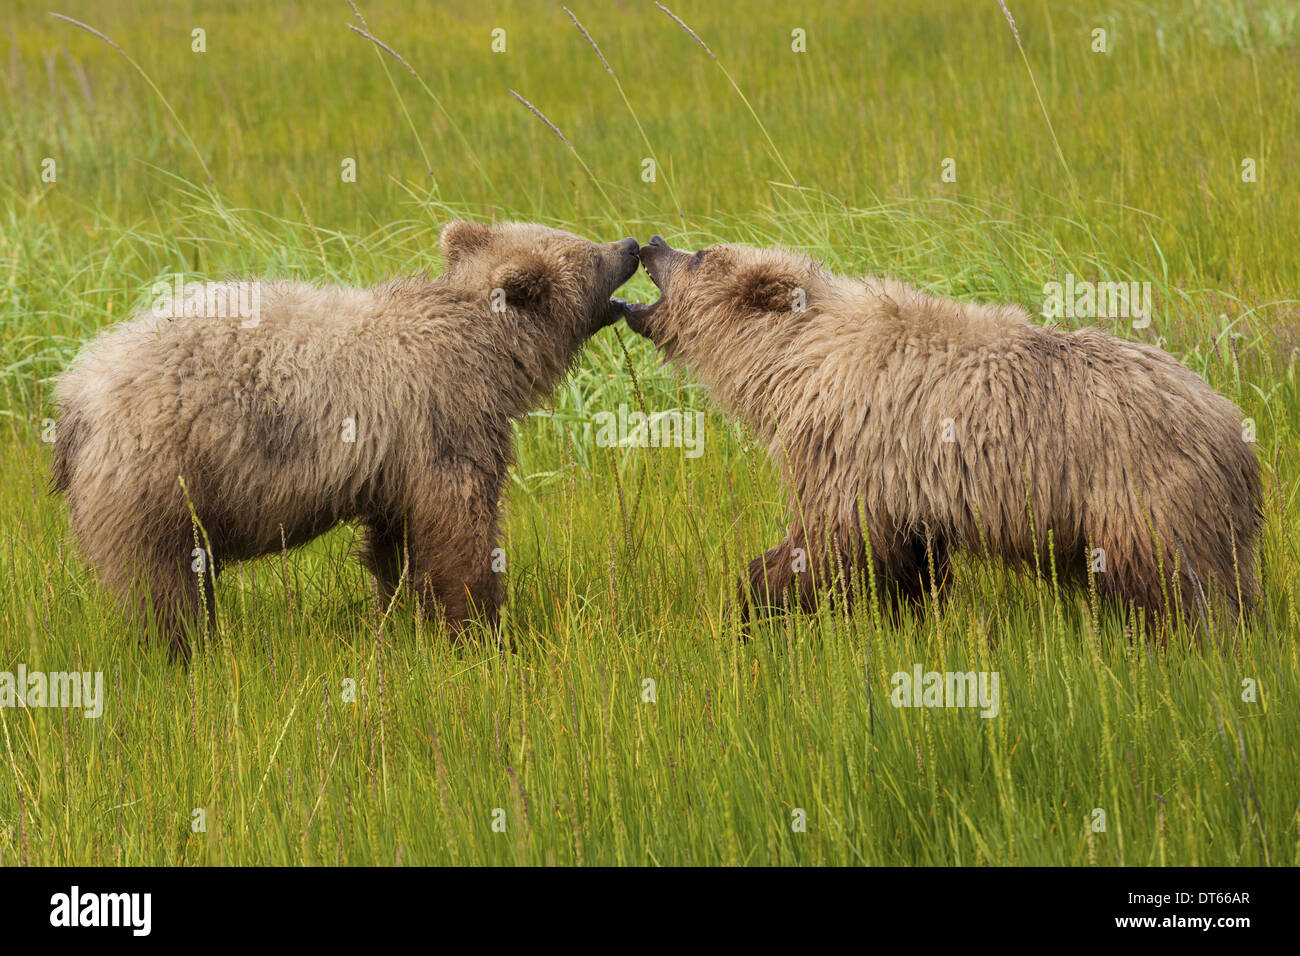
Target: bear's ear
768,288
525,279
460,237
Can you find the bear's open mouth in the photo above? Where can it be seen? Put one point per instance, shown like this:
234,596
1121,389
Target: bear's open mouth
637,308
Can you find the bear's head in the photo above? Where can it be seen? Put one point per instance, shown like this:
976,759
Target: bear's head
547,280
721,294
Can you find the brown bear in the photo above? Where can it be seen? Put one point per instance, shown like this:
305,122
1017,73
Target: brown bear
905,425
392,405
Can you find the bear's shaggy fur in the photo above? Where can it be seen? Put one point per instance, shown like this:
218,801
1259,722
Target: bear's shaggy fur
936,424
392,405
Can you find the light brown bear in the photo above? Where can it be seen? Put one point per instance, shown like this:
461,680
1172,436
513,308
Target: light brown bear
392,405
933,425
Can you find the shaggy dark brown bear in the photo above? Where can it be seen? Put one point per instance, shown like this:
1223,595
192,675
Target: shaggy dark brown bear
392,405
905,425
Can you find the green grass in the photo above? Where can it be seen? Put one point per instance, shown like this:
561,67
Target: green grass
621,560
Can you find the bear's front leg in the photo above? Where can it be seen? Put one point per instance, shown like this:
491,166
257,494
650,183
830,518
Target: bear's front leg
456,559
777,576
472,589
385,556
793,573
918,569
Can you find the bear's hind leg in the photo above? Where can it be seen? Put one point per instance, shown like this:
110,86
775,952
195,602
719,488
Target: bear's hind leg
173,597
1130,578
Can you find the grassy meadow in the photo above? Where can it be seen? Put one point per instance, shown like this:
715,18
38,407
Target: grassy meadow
917,139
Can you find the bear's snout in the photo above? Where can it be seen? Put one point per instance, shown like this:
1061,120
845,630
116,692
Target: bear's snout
657,257
629,250
621,260
654,248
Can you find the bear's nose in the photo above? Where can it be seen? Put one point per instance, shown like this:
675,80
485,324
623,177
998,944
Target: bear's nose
629,245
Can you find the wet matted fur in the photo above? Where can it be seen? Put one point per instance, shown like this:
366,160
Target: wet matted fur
247,423
932,424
